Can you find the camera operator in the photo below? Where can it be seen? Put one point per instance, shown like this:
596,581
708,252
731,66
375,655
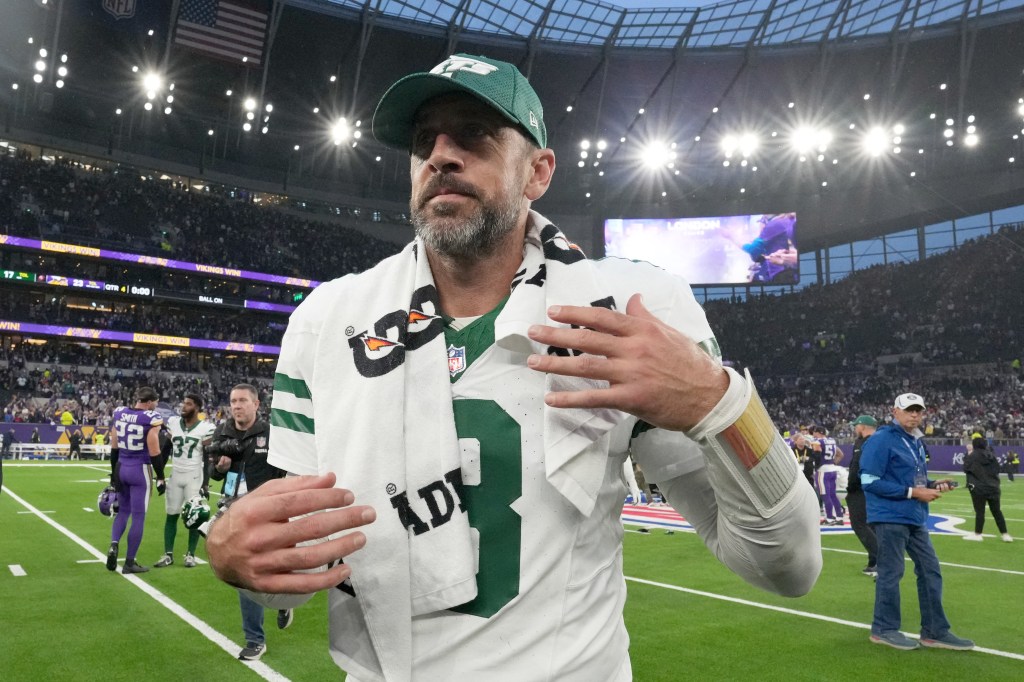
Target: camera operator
238,456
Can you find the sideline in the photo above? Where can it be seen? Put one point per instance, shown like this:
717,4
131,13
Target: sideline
794,612
229,647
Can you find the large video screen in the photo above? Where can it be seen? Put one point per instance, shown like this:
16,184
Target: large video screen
725,250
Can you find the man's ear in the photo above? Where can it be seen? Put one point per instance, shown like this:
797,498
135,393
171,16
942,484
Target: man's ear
542,168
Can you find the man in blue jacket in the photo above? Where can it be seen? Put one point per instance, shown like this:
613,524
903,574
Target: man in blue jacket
894,475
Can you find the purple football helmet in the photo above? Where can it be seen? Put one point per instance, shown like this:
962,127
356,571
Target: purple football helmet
107,501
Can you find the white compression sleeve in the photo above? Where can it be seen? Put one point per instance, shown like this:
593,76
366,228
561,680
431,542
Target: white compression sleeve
736,481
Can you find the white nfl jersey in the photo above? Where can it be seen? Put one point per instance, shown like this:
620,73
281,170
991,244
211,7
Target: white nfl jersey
187,453
550,587
550,584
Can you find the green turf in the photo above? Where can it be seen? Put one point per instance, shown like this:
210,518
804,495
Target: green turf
77,621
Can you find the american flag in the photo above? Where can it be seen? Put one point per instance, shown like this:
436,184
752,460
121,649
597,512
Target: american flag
227,30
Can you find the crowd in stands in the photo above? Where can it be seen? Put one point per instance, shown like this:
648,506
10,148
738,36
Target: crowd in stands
39,382
986,399
962,306
153,318
821,355
62,201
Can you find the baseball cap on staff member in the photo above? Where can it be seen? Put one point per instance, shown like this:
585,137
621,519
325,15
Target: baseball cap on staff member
495,83
905,401
866,420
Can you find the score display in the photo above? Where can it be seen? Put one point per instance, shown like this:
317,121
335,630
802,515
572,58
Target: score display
144,291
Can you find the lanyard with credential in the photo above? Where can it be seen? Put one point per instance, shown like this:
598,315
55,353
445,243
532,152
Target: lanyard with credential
920,477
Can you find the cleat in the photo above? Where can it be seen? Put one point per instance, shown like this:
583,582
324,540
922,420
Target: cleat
1006,537
284,618
975,537
165,560
870,570
252,652
131,567
190,560
112,557
895,639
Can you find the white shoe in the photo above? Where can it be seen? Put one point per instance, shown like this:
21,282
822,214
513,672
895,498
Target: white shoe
1007,538
977,537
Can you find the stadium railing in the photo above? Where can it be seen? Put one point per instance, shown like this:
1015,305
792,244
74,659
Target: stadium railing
57,451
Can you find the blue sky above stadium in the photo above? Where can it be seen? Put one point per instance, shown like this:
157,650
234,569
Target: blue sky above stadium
666,23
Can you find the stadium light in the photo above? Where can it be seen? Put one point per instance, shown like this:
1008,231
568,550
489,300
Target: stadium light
875,141
340,131
729,144
152,83
806,139
971,140
748,144
657,154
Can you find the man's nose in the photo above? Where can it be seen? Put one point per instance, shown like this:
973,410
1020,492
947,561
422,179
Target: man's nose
445,154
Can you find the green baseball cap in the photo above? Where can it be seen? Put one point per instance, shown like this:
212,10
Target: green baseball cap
866,420
498,84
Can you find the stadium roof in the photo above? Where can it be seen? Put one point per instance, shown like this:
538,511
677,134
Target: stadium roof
915,107
637,24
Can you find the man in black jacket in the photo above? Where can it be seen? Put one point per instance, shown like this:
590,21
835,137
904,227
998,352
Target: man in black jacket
238,456
982,469
863,426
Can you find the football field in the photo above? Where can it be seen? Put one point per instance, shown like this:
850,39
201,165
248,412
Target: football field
63,616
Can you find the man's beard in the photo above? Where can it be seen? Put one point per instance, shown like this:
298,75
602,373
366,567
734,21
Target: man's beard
474,238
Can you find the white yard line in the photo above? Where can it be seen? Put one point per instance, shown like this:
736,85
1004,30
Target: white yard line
942,563
795,612
258,667
17,570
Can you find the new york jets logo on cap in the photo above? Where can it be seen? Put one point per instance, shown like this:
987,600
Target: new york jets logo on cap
453,65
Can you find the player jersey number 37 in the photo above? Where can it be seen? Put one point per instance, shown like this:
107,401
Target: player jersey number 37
187,442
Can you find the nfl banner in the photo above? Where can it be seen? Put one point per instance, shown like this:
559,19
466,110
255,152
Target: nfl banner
126,15
234,30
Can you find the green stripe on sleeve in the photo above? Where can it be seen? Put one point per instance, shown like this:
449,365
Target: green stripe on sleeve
297,387
711,347
291,421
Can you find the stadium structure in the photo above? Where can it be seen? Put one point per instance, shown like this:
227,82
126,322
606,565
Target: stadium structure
868,118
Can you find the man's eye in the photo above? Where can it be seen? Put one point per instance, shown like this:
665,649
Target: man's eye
474,130
421,141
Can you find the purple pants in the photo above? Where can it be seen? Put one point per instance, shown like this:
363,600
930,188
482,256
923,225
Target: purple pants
827,488
133,500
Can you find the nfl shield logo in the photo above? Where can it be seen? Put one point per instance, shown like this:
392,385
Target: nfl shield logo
261,441
456,359
120,9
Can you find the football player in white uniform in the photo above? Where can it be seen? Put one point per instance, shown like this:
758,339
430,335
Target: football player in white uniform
189,434
487,543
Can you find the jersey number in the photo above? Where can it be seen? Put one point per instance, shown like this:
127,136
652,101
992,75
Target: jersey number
179,445
488,503
131,435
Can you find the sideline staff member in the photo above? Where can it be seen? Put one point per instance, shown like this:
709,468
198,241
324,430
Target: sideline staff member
239,455
863,426
364,395
894,474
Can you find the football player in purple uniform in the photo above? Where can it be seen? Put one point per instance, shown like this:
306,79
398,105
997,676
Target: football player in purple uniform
134,443
827,473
